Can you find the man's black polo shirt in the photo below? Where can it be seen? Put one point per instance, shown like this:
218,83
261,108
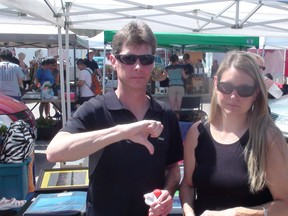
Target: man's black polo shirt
126,171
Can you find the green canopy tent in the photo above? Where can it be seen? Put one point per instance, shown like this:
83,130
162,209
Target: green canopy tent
199,42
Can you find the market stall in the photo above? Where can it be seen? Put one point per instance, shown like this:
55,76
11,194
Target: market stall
31,40
199,82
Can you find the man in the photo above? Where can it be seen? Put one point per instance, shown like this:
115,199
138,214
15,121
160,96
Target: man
92,64
272,88
199,66
187,64
84,82
135,138
189,69
11,75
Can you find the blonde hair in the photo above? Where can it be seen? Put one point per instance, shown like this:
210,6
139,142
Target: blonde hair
259,58
21,55
258,117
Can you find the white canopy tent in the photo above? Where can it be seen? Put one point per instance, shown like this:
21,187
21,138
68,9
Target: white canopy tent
88,17
278,45
275,42
241,17
97,42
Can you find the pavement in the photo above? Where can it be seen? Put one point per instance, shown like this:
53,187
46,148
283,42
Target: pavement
40,161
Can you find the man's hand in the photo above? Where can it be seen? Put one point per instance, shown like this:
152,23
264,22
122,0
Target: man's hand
138,132
162,206
268,82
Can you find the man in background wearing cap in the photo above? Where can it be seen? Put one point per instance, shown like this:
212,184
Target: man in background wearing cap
92,64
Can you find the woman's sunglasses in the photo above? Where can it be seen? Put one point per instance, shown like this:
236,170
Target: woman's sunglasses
130,59
242,90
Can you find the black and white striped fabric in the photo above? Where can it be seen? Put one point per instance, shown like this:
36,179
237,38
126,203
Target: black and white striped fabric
18,143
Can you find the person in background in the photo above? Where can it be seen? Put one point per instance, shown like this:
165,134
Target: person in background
187,64
92,64
84,82
25,69
189,69
34,65
11,75
214,68
44,74
176,74
268,82
56,87
269,76
135,138
199,66
56,74
236,163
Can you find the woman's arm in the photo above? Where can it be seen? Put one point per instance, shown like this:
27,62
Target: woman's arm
277,175
186,187
184,75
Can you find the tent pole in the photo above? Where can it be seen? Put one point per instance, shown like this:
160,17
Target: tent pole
62,92
67,71
75,75
104,70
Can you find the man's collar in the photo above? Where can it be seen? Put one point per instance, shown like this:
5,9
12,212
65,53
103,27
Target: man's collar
112,102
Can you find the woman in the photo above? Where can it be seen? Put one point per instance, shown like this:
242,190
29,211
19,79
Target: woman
176,73
237,162
84,82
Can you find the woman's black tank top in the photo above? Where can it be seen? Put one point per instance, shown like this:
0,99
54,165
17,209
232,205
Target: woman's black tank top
221,177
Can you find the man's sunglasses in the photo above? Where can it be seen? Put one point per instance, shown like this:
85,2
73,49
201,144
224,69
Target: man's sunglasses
242,90
130,59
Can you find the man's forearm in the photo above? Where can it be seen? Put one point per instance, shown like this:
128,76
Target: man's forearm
172,178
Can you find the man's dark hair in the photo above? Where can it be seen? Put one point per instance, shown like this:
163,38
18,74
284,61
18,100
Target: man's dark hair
186,56
6,54
134,34
43,62
80,62
174,58
14,60
50,61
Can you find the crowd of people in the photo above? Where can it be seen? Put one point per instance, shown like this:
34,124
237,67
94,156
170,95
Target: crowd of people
17,77
235,162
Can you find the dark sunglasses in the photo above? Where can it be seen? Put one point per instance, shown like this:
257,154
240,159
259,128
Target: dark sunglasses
262,67
242,90
130,59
